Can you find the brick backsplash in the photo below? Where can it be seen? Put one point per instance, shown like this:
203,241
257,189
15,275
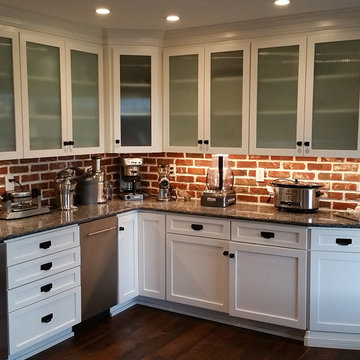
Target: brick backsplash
340,176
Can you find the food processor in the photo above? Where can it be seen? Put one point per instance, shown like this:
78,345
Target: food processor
219,183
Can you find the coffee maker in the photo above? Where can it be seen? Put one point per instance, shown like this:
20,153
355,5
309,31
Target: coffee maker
219,182
165,188
130,179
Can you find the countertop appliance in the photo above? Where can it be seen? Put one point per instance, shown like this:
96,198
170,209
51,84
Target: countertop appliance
130,179
295,195
219,182
165,188
21,204
99,266
65,188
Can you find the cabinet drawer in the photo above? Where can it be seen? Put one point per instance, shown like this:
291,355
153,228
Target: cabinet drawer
37,269
198,226
330,239
36,322
34,246
42,289
268,234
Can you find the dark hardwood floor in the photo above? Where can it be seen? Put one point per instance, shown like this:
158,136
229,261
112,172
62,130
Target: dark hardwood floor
147,333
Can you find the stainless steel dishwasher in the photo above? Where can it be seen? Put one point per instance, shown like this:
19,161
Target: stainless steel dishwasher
99,266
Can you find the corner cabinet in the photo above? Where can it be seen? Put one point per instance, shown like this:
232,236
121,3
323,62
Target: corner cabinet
57,76
206,96
10,96
136,105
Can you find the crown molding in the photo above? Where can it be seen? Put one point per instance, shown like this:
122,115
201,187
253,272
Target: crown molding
284,25
28,20
133,37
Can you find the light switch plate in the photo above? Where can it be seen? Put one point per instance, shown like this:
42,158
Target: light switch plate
260,174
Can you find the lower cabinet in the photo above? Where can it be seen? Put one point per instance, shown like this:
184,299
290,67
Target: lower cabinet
197,271
268,284
128,286
152,255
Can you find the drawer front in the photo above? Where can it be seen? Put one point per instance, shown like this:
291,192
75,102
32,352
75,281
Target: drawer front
332,239
36,322
269,234
198,226
34,246
42,289
37,269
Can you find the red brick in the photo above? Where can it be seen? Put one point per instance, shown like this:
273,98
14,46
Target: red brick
293,166
48,176
19,169
180,186
282,158
305,158
197,187
352,196
241,189
333,195
3,170
28,161
154,169
39,167
186,162
175,155
41,185
319,166
258,157
353,160
269,165
31,177
238,172
329,176
345,167
265,200
56,166
112,168
165,161
343,205
46,159
258,191
303,176
352,177
184,178
69,157
86,157
196,171
194,155
145,183
246,164
48,193
237,157
149,176
149,161
9,162
201,179
325,204
249,182
247,198
278,174
206,163
332,159
344,186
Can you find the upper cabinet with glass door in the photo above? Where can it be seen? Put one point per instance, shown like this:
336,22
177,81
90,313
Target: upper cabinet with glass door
10,97
333,89
277,96
85,98
137,99
206,98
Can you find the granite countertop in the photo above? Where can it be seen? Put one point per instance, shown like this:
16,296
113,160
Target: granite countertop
251,212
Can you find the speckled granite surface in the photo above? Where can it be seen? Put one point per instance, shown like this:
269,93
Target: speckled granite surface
253,212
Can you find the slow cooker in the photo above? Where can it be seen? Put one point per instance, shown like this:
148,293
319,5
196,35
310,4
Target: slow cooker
294,195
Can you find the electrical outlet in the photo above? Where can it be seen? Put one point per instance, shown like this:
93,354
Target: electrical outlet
9,185
172,168
260,174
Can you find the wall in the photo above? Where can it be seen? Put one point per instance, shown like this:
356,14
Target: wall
339,176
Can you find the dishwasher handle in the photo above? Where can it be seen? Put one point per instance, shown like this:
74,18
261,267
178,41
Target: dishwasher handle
101,231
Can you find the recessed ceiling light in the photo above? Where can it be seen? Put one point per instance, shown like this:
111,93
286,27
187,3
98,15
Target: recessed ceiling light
282,2
172,18
102,11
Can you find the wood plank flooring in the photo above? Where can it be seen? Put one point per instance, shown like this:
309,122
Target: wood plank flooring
151,334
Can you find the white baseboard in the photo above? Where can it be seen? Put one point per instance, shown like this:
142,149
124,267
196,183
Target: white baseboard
332,340
117,309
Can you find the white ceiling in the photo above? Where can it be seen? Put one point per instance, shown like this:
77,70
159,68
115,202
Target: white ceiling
150,14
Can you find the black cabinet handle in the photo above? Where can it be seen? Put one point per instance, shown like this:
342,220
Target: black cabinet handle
344,242
46,266
46,288
206,142
121,228
71,142
299,143
197,227
66,143
117,141
307,143
47,318
267,235
200,142
225,253
45,245
231,256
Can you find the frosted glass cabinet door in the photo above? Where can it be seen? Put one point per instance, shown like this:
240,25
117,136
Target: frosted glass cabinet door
10,134
43,72
333,88
277,97
227,74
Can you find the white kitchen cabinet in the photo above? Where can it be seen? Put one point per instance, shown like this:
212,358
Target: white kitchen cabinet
332,90
277,96
61,95
137,113
197,270
334,280
152,255
10,96
268,284
128,257
206,95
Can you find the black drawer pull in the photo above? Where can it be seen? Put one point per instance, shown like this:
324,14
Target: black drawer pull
46,288
344,242
231,256
267,235
197,227
225,253
46,266
121,228
45,245
47,318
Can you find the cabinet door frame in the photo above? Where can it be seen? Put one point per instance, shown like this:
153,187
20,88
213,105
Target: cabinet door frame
115,126
178,51
225,47
48,41
312,41
18,153
270,43
94,49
